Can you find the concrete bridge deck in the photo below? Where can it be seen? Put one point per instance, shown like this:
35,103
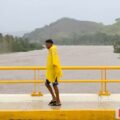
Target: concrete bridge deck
74,107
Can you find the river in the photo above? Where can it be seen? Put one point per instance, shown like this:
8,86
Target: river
70,56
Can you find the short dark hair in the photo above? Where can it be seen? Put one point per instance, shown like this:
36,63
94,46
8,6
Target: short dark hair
49,41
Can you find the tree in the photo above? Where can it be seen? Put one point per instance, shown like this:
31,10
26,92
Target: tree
117,19
8,43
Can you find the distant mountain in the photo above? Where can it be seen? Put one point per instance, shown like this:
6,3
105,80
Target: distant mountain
64,28
67,31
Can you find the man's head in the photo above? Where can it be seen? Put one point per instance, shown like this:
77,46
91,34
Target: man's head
49,43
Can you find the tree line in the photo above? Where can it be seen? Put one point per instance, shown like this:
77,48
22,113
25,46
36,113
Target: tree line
97,38
8,43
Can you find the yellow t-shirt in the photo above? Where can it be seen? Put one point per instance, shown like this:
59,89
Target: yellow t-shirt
53,65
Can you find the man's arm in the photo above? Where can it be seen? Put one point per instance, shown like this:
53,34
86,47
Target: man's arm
54,57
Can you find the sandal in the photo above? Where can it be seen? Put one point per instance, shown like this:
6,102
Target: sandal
52,102
56,104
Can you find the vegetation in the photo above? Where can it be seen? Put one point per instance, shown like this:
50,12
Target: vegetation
117,47
112,29
68,31
65,31
97,38
8,43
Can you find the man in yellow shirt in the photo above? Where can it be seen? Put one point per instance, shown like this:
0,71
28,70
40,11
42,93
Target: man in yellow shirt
53,72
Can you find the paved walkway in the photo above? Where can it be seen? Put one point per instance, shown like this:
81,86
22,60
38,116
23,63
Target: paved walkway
69,101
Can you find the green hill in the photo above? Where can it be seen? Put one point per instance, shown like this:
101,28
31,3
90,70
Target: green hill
63,29
68,31
113,29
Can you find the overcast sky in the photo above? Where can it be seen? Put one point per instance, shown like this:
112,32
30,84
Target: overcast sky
26,15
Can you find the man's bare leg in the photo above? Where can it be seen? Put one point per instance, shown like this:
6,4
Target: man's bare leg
57,94
51,91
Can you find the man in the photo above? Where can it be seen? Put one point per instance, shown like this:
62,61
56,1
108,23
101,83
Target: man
53,72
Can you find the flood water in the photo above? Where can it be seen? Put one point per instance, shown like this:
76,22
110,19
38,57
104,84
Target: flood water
70,56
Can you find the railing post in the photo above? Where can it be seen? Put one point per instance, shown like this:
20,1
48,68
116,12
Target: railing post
36,77
104,91
39,93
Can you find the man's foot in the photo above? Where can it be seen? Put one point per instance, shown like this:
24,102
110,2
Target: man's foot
52,102
56,104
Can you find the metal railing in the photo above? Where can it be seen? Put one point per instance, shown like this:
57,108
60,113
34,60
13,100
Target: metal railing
36,81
